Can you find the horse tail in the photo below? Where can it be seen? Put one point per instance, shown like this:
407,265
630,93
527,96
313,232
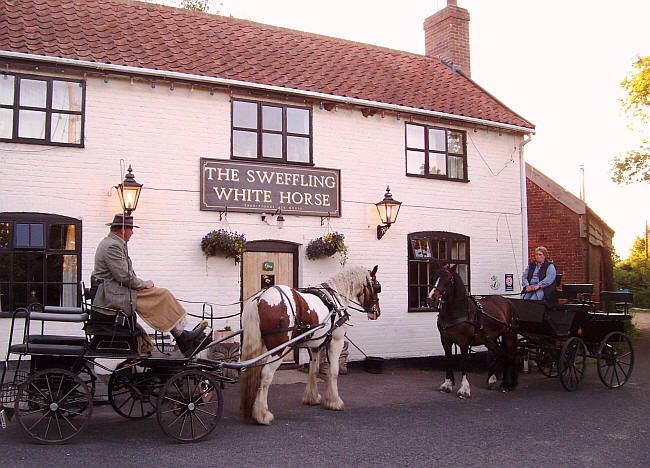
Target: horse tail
252,346
511,373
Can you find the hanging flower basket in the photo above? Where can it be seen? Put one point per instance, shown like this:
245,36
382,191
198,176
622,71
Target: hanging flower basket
223,242
326,246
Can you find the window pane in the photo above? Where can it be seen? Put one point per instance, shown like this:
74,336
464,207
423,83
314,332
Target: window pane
54,295
28,267
33,93
297,149
36,236
4,236
461,269
66,128
414,301
271,145
62,237
4,297
6,121
413,271
55,268
423,297
244,144
272,118
7,89
437,164
297,120
423,277
5,267
456,167
31,124
455,142
21,295
415,137
66,95
21,234
437,139
458,250
414,162
244,114
421,248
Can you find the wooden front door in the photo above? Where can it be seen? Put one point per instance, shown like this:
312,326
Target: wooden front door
266,264
264,269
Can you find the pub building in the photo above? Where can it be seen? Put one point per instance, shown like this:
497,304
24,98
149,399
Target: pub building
271,135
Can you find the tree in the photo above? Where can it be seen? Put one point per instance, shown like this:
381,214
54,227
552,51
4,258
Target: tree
634,166
634,274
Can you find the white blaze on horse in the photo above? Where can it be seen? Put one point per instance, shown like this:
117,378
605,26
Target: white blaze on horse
275,315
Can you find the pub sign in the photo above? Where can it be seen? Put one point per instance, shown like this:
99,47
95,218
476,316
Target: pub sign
258,187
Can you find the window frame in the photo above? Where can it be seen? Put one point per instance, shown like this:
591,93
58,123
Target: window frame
427,152
433,262
260,131
49,111
47,251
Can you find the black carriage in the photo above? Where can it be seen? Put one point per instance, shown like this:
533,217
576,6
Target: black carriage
559,338
52,395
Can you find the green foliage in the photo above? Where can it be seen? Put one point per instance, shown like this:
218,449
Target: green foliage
196,5
634,165
634,274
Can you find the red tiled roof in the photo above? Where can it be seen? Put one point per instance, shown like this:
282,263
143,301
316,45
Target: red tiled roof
137,34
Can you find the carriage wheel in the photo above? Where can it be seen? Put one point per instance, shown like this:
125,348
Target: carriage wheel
547,362
133,391
53,406
572,362
190,406
615,360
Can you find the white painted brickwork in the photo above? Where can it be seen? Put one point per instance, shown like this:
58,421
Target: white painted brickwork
163,133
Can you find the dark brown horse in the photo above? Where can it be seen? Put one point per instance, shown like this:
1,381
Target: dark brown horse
472,321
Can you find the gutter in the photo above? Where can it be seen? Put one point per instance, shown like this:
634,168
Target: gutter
524,202
170,75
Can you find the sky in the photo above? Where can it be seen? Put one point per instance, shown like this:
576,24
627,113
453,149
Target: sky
557,63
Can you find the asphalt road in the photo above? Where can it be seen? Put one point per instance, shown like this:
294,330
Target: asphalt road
397,418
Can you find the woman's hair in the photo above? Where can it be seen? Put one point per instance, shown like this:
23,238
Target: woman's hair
543,250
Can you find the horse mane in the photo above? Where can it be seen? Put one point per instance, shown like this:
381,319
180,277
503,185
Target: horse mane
461,298
349,282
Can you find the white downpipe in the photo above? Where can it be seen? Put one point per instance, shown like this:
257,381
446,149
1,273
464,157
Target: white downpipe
524,203
169,75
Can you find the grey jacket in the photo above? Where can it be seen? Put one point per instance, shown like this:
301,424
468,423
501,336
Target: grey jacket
113,270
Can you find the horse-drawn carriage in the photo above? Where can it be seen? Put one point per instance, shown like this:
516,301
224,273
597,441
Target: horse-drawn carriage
558,337
51,386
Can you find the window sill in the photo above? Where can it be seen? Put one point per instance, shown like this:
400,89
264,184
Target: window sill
438,177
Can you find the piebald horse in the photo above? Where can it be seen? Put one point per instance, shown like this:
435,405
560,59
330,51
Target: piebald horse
472,321
275,315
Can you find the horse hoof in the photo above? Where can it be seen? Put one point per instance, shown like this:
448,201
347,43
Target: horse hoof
335,406
311,401
461,397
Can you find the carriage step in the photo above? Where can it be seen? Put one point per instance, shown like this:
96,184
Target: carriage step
56,349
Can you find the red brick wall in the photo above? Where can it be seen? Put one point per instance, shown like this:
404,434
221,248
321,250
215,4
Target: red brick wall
554,226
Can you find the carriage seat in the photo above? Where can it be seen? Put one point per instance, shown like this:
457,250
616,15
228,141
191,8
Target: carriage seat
56,314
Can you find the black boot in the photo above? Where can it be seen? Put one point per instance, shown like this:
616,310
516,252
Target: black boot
189,342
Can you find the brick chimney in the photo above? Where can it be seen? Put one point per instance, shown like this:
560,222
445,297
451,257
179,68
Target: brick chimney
446,36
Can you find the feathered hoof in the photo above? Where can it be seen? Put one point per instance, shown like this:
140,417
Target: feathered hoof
463,395
265,419
335,405
446,386
311,400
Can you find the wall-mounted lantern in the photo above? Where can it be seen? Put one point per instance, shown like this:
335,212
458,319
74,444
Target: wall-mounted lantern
388,209
129,192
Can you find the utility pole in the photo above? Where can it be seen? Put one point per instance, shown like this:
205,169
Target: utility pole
646,239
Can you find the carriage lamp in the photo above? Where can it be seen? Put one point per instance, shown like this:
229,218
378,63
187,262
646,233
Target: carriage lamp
129,192
388,209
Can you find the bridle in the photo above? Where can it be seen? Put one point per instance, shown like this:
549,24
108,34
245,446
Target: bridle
371,291
440,301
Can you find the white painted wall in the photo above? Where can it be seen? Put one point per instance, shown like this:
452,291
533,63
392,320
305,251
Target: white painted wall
163,133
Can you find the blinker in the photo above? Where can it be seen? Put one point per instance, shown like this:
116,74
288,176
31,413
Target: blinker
376,288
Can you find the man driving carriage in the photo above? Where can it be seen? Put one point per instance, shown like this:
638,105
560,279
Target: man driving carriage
538,280
120,288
